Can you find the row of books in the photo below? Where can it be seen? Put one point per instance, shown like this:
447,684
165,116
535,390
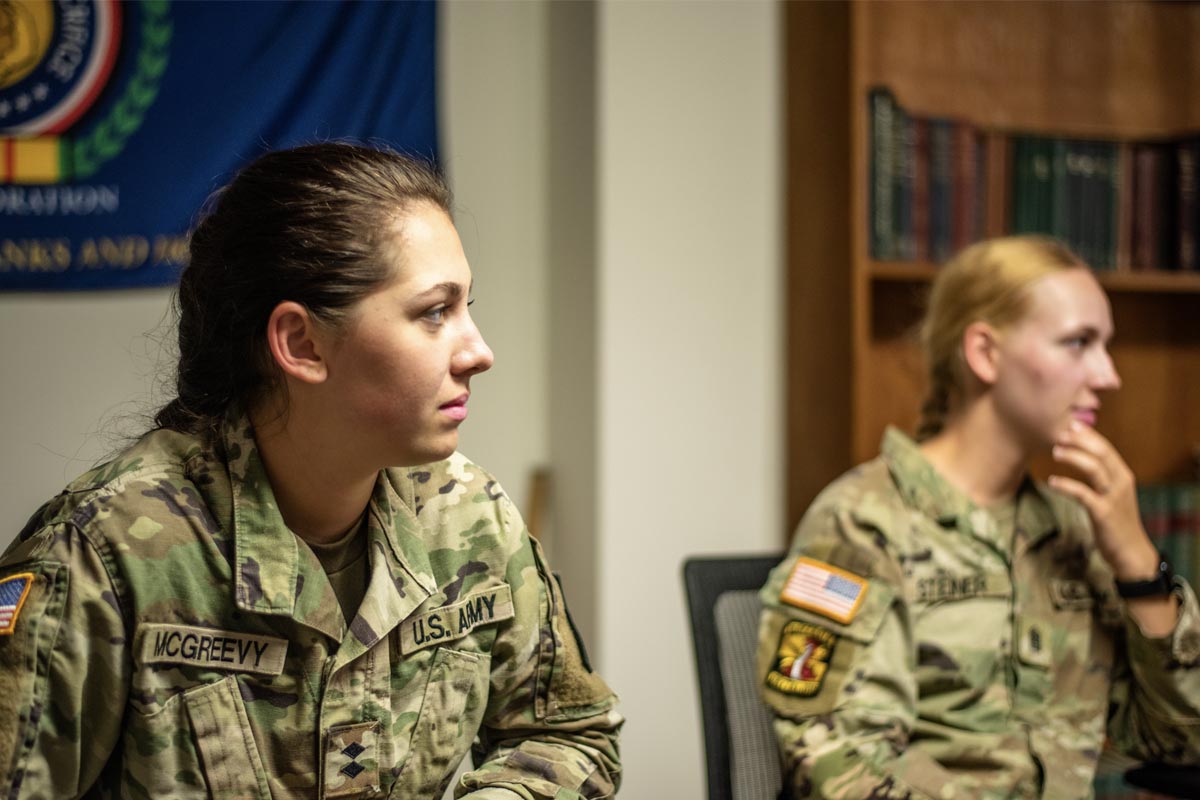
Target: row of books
939,184
1171,514
928,184
1069,189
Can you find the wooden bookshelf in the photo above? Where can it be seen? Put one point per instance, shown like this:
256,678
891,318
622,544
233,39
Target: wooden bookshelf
1123,71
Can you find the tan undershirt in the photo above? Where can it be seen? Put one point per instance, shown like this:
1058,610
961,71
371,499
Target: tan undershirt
345,562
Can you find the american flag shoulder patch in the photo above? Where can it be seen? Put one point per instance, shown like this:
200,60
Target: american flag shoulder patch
13,591
825,589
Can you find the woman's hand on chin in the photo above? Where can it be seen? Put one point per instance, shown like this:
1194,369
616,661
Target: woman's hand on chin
1108,490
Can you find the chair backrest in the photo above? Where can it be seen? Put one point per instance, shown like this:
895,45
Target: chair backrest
741,756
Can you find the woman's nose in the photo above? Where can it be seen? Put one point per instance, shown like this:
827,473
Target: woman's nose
1105,376
474,356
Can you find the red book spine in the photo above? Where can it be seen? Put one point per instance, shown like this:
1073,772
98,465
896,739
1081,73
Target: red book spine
920,189
1148,176
966,184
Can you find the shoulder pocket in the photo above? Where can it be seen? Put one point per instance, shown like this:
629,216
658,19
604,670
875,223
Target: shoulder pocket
805,658
567,688
32,600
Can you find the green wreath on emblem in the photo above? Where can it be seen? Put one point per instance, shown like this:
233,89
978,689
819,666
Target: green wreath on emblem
89,153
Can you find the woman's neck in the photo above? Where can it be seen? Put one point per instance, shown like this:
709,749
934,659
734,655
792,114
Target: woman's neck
320,496
977,456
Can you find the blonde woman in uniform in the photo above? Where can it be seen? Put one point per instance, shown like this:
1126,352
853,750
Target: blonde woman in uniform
961,630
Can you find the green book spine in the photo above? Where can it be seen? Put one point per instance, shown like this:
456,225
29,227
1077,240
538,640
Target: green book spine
882,170
1110,157
1060,197
1043,178
904,160
1023,211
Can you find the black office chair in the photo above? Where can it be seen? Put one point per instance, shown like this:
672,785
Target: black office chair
1166,781
741,756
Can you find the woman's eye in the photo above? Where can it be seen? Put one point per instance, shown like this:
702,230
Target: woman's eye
435,315
1078,342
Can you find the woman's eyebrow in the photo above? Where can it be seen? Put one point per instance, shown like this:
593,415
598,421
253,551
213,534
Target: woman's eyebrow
449,288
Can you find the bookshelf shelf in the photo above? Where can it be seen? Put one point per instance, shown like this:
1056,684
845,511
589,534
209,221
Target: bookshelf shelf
1152,281
1116,71
903,271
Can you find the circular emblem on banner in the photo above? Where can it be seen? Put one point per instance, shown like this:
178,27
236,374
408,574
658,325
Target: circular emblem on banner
55,57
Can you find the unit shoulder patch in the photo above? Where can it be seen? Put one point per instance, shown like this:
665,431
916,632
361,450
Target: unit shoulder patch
13,591
802,659
825,589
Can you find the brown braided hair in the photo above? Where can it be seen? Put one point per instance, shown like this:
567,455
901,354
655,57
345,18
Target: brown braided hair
313,224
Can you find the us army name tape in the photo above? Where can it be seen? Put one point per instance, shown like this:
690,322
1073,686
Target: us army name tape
215,649
446,623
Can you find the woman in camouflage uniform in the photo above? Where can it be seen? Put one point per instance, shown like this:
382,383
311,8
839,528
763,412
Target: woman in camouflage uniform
944,626
295,586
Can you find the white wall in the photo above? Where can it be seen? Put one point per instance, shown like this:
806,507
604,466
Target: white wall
627,257
691,412
79,372
492,76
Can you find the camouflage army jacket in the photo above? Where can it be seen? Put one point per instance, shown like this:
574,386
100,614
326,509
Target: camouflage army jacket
168,636
913,647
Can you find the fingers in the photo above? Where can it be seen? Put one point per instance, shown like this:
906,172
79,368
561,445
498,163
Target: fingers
1085,449
1086,463
1078,490
1087,439
1105,486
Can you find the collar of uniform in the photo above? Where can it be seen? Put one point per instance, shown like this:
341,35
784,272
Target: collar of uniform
919,483
401,578
401,536
925,489
1035,512
270,574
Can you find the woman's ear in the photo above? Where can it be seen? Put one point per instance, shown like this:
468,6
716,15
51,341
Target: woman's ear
295,343
981,351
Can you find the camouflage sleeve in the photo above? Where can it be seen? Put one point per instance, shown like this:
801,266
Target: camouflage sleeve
1155,698
843,692
550,729
64,671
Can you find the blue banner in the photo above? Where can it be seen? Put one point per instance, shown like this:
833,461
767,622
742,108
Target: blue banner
118,119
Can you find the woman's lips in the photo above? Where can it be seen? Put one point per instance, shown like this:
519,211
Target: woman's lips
456,409
1085,415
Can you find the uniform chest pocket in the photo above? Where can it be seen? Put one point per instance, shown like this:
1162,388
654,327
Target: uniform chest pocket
451,712
1064,653
218,759
1080,643
961,648
962,633
1071,595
